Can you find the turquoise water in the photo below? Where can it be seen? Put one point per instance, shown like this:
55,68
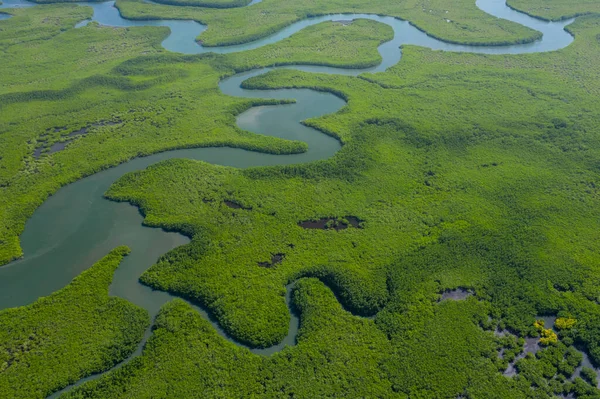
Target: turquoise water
184,33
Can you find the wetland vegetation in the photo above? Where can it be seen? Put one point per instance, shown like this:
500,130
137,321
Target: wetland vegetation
459,174
77,331
458,21
555,9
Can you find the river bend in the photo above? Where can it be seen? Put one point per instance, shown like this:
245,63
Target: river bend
76,226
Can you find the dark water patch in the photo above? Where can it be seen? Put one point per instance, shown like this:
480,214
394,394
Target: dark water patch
61,145
548,322
56,147
487,165
459,294
585,362
331,223
81,132
563,288
275,259
85,130
499,332
531,346
235,205
82,23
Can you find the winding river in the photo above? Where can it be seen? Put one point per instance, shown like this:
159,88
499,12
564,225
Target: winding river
76,226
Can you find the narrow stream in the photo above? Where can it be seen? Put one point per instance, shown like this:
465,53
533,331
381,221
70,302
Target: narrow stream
76,226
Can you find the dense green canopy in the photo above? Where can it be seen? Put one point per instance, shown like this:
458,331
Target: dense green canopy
466,171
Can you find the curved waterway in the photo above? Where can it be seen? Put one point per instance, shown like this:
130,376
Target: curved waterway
76,226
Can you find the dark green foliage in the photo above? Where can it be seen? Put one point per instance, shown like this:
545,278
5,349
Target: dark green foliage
590,376
468,195
68,335
582,389
466,171
337,352
152,95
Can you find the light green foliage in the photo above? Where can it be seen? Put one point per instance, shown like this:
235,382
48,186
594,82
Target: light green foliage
456,184
68,335
467,23
469,171
583,390
32,26
196,3
565,323
92,74
453,191
556,9
32,65
206,3
219,267
329,43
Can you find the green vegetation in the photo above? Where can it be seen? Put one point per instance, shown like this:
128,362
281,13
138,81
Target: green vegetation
453,191
195,3
68,335
548,336
555,9
457,21
336,352
550,370
486,208
334,44
95,74
204,3
590,376
33,26
565,323
465,171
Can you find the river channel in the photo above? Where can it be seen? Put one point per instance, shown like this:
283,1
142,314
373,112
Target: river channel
76,226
